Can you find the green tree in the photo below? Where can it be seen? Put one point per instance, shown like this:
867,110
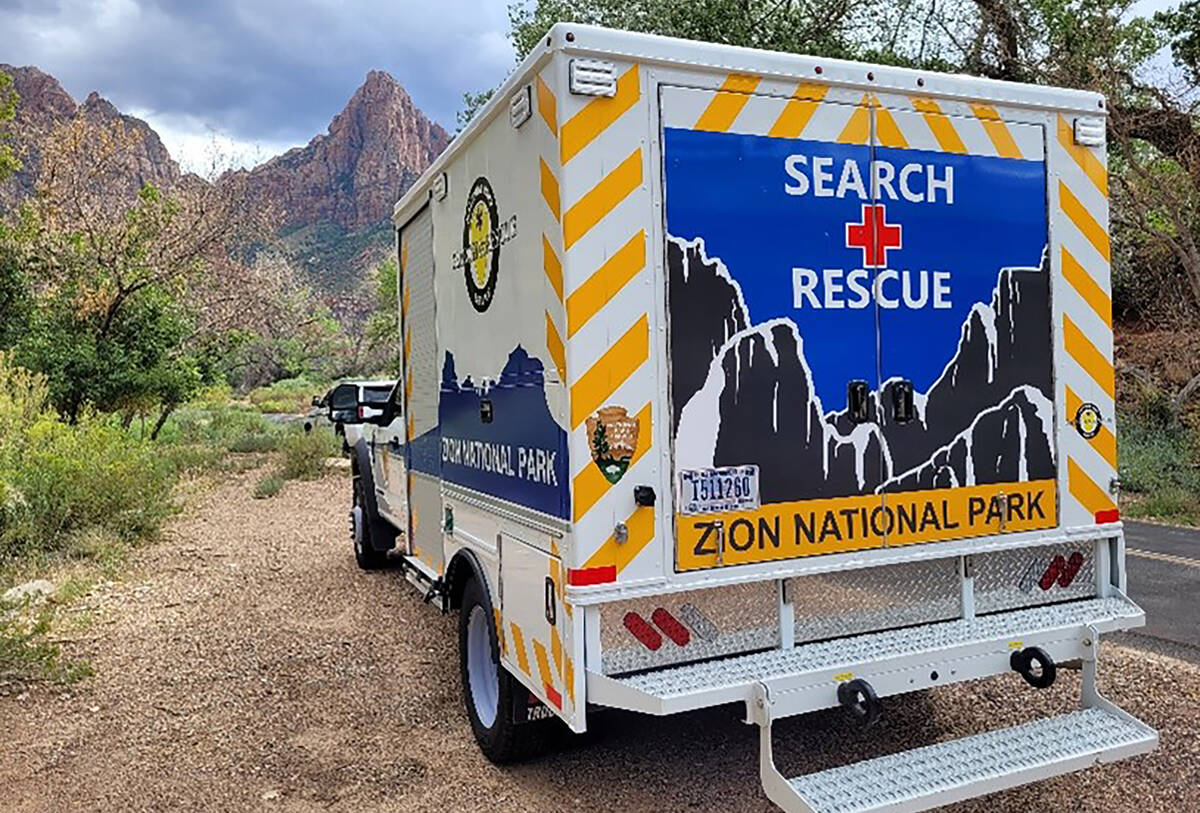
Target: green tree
383,329
8,109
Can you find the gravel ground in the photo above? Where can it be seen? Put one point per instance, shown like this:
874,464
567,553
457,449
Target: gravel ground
246,664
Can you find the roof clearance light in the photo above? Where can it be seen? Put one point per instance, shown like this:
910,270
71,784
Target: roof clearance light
671,627
643,631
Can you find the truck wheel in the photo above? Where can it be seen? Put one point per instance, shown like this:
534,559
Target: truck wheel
362,528
496,701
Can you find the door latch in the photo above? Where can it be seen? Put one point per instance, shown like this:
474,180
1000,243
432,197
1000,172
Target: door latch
551,605
903,408
858,394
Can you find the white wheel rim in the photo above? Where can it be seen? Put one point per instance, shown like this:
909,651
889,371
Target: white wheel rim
482,670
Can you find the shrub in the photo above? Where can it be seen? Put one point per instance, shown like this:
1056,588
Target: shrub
290,395
254,444
304,453
91,475
268,486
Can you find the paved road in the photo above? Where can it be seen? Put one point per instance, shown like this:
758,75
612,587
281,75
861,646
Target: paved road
1164,578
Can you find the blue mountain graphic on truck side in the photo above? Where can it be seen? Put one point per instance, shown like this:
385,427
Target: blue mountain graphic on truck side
520,454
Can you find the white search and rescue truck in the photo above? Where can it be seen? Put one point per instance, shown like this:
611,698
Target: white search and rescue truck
744,377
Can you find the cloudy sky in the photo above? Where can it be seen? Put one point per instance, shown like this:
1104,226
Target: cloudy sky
260,76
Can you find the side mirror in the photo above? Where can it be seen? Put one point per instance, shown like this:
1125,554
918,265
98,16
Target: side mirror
343,404
316,400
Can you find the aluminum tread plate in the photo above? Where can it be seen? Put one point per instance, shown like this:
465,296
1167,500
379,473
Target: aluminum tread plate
907,776
872,647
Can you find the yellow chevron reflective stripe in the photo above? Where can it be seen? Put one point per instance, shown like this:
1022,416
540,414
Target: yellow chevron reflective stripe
1088,356
547,106
1096,234
1084,488
858,128
799,110
1083,156
590,485
620,554
587,300
887,131
570,677
729,101
997,131
554,344
519,645
553,267
549,188
602,198
582,128
499,628
556,650
1087,287
612,369
940,125
539,652
1104,442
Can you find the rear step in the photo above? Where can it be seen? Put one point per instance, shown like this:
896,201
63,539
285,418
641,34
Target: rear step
788,681
962,769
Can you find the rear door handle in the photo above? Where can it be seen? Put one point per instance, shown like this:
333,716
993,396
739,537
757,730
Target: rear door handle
857,401
903,409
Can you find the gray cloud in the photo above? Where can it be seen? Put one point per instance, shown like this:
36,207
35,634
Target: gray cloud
272,71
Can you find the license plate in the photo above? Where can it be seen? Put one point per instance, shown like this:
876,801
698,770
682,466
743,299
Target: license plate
717,491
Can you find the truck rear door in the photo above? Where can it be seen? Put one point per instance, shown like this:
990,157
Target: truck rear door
773,340
963,301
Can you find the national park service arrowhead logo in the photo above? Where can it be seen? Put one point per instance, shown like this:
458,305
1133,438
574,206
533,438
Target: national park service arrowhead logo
613,437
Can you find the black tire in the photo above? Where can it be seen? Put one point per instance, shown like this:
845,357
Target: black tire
510,737
364,527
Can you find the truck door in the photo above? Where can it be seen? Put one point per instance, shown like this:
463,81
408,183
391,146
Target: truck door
422,385
963,297
772,339
390,468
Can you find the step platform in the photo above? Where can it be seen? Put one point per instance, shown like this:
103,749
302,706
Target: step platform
953,771
805,678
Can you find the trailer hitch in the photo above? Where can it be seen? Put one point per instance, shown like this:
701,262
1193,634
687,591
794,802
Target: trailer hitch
1035,666
857,697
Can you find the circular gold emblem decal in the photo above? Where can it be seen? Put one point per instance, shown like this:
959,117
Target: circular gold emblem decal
1087,420
481,244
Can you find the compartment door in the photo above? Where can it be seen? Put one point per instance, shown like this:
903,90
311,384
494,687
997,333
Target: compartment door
773,357
963,296
422,386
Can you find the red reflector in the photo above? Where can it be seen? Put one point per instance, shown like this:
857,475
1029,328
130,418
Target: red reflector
643,631
553,695
362,413
1108,515
1068,574
1057,566
592,575
671,627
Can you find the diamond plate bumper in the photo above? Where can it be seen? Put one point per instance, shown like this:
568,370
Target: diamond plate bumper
805,678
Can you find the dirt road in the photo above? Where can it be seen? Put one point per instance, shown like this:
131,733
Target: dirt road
247,664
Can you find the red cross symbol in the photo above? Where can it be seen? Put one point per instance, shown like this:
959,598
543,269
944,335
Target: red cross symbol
874,235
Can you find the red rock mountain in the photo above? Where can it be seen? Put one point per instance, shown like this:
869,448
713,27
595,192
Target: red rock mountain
44,104
353,174
332,198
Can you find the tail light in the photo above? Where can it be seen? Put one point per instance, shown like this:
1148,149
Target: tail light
643,631
671,627
1067,574
1057,565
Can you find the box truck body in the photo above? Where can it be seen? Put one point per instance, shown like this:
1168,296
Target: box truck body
750,377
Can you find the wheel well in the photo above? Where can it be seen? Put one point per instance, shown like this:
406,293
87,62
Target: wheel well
463,569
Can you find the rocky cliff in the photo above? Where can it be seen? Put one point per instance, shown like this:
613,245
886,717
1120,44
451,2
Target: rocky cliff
45,104
352,175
